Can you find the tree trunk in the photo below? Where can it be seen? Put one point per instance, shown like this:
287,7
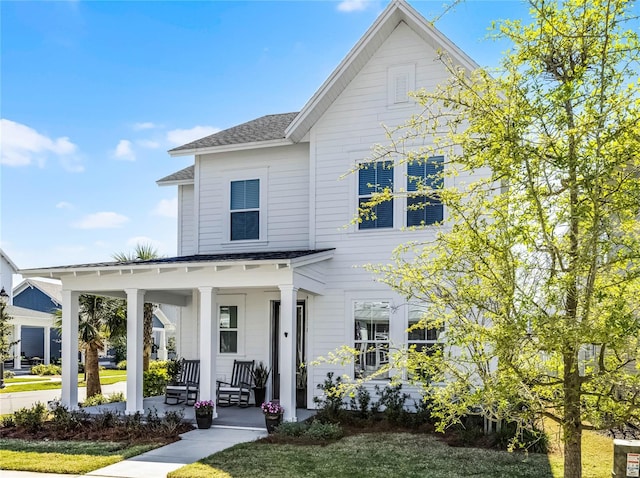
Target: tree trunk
572,424
147,333
92,371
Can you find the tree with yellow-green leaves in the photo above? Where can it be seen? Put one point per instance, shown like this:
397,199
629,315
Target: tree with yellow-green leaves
534,274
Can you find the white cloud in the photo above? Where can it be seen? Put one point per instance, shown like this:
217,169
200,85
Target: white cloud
183,136
102,220
147,143
123,151
64,205
145,125
354,5
166,208
21,145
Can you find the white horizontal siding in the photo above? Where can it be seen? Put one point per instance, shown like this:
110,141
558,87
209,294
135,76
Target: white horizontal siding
287,205
187,227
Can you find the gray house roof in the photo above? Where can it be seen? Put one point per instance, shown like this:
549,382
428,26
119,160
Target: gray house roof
184,175
265,128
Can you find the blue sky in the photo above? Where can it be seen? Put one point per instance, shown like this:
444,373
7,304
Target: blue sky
94,93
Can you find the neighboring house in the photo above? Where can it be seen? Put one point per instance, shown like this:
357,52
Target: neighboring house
30,307
7,271
38,338
267,255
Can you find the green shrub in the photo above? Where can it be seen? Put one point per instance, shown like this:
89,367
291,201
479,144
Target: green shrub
529,438
324,431
292,429
100,399
32,418
331,404
122,365
158,364
360,402
46,370
393,400
9,374
154,382
7,421
65,420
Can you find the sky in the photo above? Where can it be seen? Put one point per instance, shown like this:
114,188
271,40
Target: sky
94,93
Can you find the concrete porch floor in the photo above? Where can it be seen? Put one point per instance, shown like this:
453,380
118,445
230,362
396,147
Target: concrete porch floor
250,417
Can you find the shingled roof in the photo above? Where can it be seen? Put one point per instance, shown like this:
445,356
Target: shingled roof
265,128
186,174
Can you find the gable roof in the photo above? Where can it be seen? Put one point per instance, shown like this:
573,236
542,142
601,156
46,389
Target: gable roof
53,290
265,128
396,12
9,261
184,176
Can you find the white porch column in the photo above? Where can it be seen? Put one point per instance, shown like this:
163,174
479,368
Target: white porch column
47,345
135,317
17,347
70,311
162,350
208,344
288,300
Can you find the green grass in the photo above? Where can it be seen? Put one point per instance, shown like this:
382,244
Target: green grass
26,379
367,456
64,456
107,377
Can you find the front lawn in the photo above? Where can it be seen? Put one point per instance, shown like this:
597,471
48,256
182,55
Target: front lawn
23,384
368,455
72,457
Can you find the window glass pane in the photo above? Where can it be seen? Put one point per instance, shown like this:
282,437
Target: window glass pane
371,321
245,225
228,341
245,194
228,317
375,177
425,210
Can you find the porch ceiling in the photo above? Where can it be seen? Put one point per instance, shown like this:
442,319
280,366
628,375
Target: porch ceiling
172,280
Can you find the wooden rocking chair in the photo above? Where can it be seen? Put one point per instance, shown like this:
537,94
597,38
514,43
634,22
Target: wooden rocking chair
238,390
187,387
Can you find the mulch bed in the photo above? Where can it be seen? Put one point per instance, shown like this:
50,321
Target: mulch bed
90,432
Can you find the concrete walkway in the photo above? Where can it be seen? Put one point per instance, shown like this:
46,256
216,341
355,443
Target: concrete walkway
193,446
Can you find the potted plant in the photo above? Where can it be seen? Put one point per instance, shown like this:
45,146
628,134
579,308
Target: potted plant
301,387
260,377
272,415
204,413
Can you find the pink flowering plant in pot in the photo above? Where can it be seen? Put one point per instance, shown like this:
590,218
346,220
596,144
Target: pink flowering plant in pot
272,408
204,407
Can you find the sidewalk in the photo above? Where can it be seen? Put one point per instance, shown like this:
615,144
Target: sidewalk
193,446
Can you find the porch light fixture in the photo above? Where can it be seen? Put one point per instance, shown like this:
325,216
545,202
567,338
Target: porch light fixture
4,297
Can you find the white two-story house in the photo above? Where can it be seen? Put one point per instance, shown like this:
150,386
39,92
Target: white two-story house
268,258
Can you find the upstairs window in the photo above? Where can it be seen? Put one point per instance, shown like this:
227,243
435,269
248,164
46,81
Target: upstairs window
424,177
375,178
245,210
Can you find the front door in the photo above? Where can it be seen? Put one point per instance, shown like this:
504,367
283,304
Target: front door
275,343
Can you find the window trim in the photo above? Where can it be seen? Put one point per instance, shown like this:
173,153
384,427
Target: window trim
261,174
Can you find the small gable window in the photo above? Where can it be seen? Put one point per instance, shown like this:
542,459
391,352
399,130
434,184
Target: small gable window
424,179
375,178
245,210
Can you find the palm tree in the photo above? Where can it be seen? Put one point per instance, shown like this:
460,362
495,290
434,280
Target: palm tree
100,318
143,252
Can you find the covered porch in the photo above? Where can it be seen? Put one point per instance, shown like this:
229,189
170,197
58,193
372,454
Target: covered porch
264,291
